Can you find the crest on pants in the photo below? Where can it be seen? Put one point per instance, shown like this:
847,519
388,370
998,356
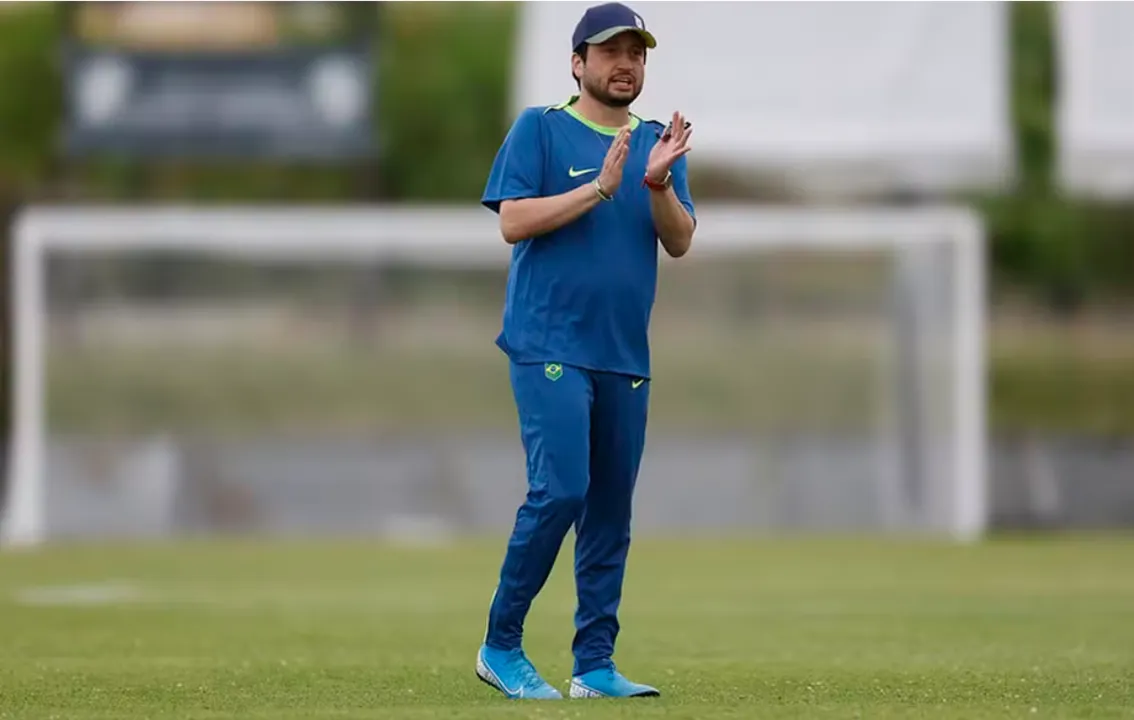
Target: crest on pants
553,371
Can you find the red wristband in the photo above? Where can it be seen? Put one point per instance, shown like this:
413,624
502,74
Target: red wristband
657,187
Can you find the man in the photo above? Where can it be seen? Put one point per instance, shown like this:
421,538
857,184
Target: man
585,191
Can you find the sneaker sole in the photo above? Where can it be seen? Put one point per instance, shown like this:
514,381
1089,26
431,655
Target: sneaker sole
580,691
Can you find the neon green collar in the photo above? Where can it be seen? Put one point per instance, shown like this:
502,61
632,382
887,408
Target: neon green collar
570,110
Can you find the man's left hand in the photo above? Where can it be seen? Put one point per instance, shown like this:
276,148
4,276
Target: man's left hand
673,143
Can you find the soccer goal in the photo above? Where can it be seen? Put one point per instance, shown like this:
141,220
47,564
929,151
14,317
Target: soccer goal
301,370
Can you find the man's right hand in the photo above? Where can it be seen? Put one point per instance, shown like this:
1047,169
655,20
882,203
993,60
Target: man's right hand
527,218
611,175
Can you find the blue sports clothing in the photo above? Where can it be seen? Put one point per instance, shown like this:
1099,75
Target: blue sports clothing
581,295
583,433
575,326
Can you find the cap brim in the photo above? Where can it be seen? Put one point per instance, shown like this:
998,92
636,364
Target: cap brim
611,32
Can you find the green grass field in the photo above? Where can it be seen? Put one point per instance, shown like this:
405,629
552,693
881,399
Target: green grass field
1040,627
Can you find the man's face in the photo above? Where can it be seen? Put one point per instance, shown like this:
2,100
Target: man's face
614,71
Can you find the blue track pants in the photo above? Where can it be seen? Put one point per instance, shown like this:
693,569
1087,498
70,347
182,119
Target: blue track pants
583,433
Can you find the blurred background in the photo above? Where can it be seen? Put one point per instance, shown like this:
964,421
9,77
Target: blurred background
196,391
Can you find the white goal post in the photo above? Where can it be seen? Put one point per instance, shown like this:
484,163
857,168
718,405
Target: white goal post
467,236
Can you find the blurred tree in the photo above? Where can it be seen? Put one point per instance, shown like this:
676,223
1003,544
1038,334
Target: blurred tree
31,104
1068,252
446,76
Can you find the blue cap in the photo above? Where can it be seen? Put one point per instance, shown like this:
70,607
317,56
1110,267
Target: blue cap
602,22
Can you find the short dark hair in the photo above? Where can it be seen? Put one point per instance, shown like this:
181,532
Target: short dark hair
581,51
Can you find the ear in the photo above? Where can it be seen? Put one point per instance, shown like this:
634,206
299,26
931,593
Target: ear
577,65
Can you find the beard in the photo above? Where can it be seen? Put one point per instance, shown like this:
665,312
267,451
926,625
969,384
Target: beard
599,89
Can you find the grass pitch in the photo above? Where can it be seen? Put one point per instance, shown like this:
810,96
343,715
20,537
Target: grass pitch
726,628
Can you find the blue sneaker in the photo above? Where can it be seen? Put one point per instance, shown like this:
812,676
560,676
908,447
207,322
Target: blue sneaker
510,672
608,682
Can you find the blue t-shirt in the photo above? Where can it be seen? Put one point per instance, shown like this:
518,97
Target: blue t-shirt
580,295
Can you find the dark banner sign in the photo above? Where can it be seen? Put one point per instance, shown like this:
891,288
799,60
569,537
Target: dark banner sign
235,80
296,102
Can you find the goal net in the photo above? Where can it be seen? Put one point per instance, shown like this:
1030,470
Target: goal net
188,371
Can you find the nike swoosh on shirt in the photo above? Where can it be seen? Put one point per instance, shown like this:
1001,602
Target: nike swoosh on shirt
635,384
576,173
